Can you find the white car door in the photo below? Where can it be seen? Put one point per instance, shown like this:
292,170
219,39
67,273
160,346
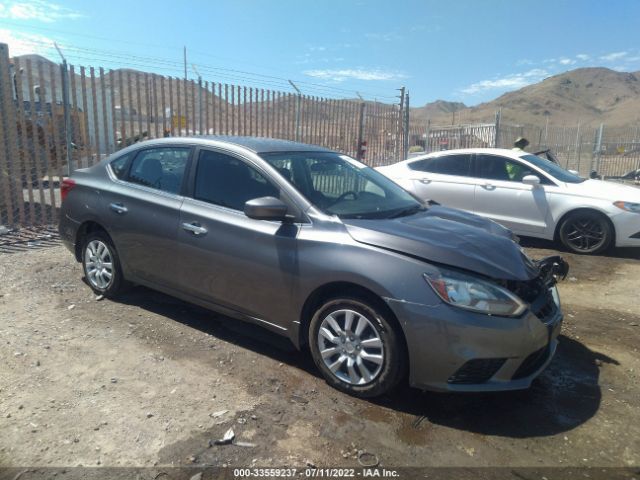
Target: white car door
501,196
446,179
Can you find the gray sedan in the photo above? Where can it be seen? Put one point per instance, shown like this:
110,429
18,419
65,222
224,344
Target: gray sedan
318,247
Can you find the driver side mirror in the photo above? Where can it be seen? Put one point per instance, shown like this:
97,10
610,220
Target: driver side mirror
575,172
532,180
266,208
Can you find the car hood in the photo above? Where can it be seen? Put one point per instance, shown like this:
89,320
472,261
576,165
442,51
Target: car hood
606,190
450,237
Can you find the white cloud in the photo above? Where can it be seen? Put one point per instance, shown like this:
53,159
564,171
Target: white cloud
339,75
566,61
508,82
24,43
583,56
613,56
39,10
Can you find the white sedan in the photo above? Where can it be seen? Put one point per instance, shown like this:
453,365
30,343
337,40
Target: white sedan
530,195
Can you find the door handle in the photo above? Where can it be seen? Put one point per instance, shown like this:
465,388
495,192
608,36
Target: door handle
424,180
489,186
194,228
118,208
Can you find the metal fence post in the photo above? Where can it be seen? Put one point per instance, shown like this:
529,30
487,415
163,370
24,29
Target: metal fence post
577,148
360,152
405,133
11,201
399,127
426,136
298,105
299,94
496,139
200,106
598,149
64,74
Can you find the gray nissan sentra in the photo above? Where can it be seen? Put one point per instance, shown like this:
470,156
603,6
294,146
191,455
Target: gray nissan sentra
320,248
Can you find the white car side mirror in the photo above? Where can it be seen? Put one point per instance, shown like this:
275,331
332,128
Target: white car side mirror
531,180
575,172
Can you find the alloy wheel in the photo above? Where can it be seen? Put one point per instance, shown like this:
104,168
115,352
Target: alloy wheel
351,347
98,264
585,233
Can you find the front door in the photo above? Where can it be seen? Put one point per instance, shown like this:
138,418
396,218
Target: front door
227,258
501,196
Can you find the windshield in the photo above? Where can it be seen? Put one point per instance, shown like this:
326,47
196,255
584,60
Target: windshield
340,185
553,169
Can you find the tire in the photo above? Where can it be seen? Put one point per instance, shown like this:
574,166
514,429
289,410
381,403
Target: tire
370,357
99,260
586,232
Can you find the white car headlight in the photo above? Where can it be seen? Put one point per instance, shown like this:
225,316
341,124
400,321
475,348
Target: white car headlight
472,293
628,206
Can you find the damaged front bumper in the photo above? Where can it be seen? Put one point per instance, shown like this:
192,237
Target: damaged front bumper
474,352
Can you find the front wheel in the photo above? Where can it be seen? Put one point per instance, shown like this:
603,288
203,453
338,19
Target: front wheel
101,264
357,349
586,232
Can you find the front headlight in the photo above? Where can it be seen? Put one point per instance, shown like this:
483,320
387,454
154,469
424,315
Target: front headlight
628,206
472,293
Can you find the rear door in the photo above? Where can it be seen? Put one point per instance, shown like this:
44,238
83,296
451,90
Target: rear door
143,211
445,179
501,196
226,257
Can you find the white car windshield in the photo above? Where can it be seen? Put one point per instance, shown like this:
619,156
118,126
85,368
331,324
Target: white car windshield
340,185
553,169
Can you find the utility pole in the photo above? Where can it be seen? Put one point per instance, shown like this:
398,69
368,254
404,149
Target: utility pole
297,136
64,74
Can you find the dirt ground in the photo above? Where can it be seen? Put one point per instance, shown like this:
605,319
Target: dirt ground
149,380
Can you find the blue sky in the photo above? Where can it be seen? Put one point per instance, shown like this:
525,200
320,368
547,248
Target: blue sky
463,50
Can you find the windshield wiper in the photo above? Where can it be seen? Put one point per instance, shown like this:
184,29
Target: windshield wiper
405,212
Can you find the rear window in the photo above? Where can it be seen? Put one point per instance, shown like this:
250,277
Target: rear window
445,165
160,168
120,165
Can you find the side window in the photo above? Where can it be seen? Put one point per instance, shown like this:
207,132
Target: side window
421,165
445,165
120,166
161,168
493,167
229,182
453,165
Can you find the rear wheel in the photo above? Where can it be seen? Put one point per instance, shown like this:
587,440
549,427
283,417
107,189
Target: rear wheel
586,232
101,264
356,347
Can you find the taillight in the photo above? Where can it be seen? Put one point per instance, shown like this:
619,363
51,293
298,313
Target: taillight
65,187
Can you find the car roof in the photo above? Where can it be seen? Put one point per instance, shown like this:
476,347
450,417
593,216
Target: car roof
255,144
492,151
